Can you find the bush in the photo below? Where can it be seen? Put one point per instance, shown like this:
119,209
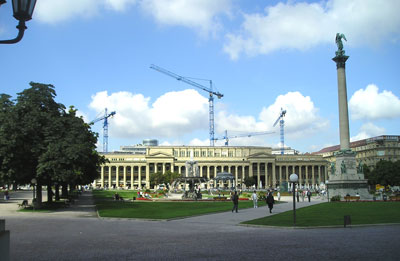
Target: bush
335,198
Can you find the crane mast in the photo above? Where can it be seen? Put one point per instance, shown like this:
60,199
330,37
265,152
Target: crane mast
282,126
195,84
105,127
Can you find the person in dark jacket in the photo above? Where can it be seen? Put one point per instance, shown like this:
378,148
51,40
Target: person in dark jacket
235,200
270,201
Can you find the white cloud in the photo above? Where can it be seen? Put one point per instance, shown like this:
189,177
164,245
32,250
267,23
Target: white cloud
198,142
301,115
171,115
371,104
300,121
368,130
302,25
197,14
54,11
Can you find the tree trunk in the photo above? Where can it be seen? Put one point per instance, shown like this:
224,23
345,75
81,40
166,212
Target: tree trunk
49,193
64,191
39,194
57,187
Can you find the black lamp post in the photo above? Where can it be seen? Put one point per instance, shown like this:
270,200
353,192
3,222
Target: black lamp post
23,10
293,179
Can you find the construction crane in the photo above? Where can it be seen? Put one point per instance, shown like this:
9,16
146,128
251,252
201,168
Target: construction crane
282,125
226,137
195,84
105,127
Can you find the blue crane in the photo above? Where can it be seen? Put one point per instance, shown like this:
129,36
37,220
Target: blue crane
250,134
195,84
282,125
105,127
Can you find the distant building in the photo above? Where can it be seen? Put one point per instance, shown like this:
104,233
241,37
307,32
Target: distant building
368,151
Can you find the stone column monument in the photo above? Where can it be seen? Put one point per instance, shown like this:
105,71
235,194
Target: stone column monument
345,177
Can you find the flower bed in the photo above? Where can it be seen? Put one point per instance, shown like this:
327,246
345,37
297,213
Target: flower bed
143,199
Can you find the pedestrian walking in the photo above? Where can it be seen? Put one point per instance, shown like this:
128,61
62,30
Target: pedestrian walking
303,195
279,196
235,200
270,201
309,195
298,196
254,198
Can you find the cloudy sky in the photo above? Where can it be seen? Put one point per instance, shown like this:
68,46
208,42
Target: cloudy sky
262,55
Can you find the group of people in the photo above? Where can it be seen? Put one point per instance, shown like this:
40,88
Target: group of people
306,193
269,199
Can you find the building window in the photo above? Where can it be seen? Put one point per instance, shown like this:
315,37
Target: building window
230,153
210,154
196,154
182,153
175,153
203,153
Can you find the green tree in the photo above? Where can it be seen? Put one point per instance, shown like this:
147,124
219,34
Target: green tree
6,155
169,177
250,181
39,139
386,173
70,156
156,178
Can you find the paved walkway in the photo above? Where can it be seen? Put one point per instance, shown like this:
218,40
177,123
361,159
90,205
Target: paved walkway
77,234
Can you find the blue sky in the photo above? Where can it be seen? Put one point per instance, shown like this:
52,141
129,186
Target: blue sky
262,55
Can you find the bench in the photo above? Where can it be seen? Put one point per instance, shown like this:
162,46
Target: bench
24,204
394,198
351,198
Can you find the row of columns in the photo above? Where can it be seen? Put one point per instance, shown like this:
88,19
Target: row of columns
270,178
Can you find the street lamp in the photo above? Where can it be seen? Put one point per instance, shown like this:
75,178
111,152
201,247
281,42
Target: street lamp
23,10
293,179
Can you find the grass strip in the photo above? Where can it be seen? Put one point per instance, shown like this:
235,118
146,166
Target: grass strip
332,214
159,210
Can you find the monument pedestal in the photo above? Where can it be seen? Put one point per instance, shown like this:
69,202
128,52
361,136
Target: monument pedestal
347,179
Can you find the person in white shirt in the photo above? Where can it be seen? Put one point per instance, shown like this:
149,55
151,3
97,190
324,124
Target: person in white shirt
254,198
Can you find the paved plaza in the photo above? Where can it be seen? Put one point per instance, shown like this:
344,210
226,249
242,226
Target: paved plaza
76,233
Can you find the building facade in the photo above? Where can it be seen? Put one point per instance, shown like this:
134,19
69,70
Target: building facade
131,167
368,151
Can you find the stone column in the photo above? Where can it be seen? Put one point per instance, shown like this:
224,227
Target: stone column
125,177
140,176
280,175
102,176
258,175
313,176
147,176
273,176
266,174
236,175
308,183
109,177
342,97
201,171
132,176
163,168
155,167
117,177
300,176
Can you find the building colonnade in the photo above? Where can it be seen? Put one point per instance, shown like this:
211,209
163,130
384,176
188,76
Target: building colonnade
268,173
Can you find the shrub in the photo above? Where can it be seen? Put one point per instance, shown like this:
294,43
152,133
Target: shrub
335,198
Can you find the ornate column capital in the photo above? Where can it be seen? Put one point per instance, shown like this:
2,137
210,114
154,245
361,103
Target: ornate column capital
340,60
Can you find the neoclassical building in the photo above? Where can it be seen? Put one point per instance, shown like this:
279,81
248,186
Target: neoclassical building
132,165
368,151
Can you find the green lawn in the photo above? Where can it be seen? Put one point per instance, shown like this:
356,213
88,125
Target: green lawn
158,210
332,214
